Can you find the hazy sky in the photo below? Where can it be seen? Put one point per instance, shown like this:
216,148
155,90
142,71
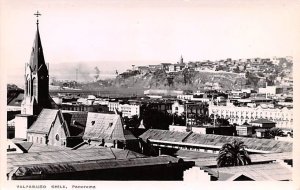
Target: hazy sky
115,34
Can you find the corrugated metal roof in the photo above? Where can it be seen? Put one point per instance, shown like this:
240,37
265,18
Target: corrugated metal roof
93,165
258,172
164,135
269,145
255,158
83,159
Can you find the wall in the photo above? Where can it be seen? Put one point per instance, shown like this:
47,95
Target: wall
57,136
22,123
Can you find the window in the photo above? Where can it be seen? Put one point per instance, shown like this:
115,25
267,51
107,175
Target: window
57,137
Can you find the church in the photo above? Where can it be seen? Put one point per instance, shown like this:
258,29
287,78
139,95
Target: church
41,121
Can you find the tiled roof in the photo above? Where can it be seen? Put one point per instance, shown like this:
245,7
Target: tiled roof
44,121
256,144
258,172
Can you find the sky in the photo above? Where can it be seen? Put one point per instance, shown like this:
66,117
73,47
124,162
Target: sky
113,35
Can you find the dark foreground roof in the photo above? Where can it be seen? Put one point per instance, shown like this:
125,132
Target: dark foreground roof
80,160
216,141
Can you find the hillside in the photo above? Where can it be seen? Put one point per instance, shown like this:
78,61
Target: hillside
185,80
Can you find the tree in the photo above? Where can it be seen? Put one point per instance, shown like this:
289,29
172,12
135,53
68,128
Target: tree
275,131
132,122
233,154
155,119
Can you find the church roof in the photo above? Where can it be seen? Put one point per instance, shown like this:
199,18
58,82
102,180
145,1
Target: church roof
44,121
37,60
89,125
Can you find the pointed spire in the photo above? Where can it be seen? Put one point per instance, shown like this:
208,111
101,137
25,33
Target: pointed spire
37,14
37,60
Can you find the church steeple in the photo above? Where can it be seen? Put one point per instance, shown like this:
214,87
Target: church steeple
37,60
36,78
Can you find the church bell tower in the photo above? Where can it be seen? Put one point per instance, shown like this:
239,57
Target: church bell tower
36,95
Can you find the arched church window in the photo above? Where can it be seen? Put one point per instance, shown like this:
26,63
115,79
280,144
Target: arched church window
57,137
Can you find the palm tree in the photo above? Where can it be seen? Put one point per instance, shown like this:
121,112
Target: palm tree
233,154
275,131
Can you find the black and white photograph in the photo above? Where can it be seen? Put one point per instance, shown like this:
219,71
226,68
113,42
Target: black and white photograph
196,92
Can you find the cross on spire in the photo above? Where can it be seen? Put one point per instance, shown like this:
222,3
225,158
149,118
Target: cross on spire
37,14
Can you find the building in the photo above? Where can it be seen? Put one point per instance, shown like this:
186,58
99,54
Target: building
277,171
178,128
244,130
165,66
165,142
36,93
185,96
143,70
113,105
263,123
108,130
63,128
129,110
14,100
239,115
270,90
178,108
162,92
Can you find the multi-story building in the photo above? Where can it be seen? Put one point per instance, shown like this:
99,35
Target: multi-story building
129,110
113,105
239,115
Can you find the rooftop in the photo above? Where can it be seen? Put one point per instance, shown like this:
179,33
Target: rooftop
80,160
258,172
263,121
255,158
217,141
